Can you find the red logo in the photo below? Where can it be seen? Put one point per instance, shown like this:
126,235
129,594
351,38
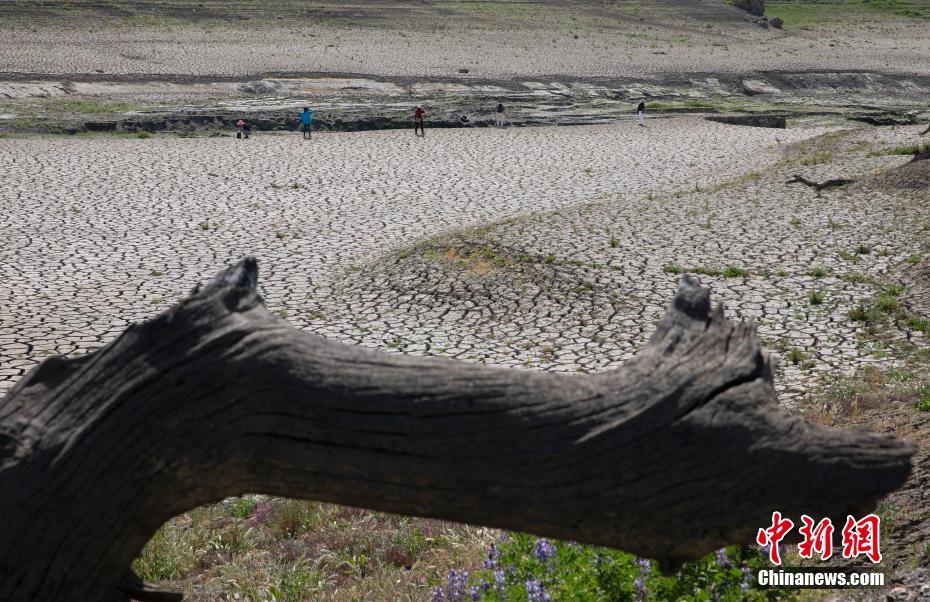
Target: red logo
817,539
859,537
774,534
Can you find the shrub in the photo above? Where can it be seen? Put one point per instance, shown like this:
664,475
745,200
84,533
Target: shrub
242,507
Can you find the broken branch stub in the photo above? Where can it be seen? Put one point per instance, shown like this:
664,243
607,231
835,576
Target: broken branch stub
674,454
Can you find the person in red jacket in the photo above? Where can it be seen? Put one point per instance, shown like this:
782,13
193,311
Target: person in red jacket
418,121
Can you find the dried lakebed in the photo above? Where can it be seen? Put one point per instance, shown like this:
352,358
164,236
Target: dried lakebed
598,221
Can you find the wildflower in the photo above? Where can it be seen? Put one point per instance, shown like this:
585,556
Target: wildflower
456,583
722,560
747,575
437,594
645,569
499,578
494,557
639,584
475,593
544,549
535,592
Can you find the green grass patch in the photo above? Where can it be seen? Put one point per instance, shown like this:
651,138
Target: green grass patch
819,272
902,150
732,271
88,106
817,13
820,158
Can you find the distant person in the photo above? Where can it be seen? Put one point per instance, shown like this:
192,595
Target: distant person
499,114
306,121
242,129
418,121
641,112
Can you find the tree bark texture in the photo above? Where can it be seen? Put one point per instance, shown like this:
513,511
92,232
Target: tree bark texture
674,454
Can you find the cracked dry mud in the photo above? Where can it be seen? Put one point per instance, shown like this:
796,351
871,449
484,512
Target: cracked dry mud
104,232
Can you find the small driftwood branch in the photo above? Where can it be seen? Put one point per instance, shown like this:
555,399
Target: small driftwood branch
819,185
926,131
676,453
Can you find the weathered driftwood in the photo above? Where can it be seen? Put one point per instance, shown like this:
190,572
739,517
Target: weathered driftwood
819,185
678,452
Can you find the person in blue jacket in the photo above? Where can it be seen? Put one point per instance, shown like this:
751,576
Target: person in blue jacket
306,121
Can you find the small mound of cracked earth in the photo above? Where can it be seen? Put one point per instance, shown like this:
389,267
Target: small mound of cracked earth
513,306
912,176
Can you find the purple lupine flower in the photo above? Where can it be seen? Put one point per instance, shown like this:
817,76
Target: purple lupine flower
535,592
639,584
499,583
747,576
722,560
475,593
494,558
437,594
456,584
645,566
544,549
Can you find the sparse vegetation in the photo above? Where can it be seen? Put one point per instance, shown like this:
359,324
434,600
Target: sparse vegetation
816,297
735,272
902,150
819,272
817,158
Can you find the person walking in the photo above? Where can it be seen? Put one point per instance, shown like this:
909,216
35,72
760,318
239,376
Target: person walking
306,122
499,114
242,129
641,112
418,121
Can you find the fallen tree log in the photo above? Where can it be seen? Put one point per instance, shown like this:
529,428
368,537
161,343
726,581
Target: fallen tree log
819,185
676,453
